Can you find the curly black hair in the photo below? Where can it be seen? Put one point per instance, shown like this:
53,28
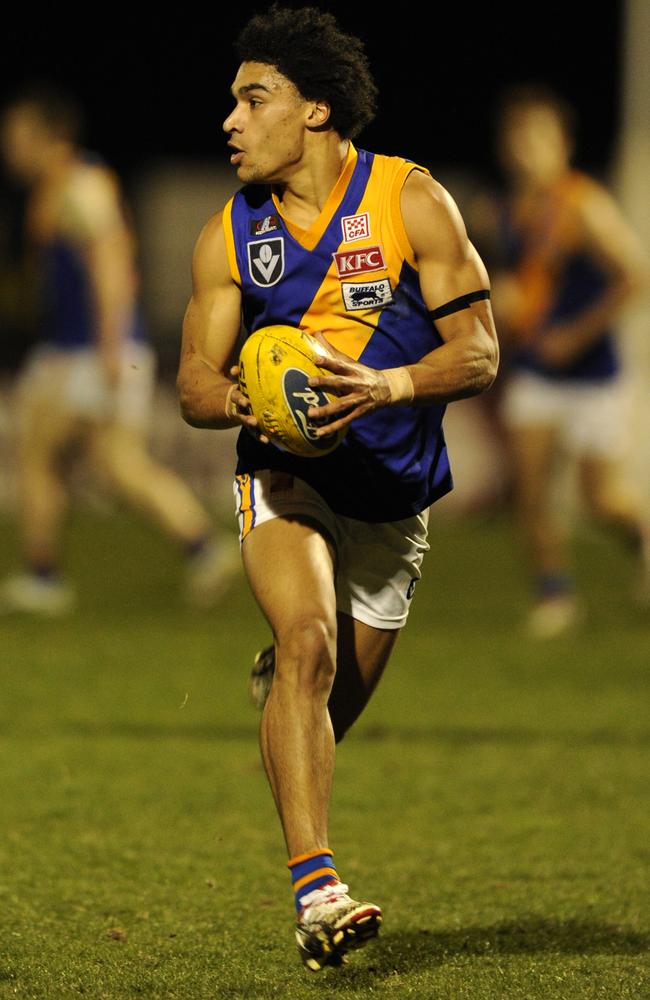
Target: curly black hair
308,47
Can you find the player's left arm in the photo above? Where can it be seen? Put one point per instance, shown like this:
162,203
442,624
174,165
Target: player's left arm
610,241
455,288
94,220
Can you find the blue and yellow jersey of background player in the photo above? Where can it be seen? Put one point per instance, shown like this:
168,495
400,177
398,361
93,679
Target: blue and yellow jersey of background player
567,261
381,265
81,250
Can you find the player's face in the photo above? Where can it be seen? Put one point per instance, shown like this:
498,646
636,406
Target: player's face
267,125
532,144
24,143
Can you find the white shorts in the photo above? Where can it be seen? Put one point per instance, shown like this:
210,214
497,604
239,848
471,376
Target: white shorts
590,417
378,565
73,381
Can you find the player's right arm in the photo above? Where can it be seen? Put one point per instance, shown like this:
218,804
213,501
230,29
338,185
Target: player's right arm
208,396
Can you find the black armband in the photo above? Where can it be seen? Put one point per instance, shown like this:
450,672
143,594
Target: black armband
462,302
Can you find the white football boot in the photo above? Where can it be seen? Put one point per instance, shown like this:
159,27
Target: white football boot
554,617
32,595
331,924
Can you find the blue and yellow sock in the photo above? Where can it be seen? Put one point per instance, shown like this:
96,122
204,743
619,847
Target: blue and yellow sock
311,871
551,585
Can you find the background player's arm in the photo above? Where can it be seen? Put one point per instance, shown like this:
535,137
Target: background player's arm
208,396
449,267
92,218
612,244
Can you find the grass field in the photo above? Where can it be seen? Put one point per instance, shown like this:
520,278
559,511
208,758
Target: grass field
494,799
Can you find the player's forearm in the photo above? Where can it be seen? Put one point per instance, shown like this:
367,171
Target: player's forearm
114,300
204,397
465,366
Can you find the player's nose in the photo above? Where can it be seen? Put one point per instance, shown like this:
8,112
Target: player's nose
230,124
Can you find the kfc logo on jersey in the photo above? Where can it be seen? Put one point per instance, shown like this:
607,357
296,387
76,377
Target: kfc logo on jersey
366,294
351,262
266,261
356,227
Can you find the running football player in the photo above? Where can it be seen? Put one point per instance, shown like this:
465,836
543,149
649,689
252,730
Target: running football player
90,379
571,263
369,253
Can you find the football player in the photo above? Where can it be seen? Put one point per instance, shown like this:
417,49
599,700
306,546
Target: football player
370,255
90,379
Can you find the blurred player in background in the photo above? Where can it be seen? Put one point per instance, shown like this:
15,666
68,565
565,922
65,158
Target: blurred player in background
370,252
570,263
89,381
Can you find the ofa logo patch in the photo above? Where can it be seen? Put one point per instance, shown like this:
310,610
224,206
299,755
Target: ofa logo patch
266,261
366,294
299,396
351,262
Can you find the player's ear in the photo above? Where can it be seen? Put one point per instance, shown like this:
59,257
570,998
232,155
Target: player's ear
318,114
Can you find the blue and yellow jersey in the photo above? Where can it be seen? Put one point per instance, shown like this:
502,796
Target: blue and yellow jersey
559,279
67,306
353,276
67,312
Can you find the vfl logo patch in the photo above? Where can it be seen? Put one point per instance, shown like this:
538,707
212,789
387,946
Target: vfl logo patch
266,225
351,262
266,261
299,397
366,294
411,589
355,227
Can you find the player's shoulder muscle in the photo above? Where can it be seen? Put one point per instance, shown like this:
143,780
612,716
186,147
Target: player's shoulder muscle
92,202
210,268
433,223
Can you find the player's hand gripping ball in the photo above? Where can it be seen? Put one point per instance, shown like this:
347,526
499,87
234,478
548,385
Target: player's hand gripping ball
275,365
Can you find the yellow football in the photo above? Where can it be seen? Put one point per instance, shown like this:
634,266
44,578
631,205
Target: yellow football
274,367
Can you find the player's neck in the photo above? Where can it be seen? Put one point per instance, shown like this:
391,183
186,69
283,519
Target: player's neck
537,185
304,195
61,160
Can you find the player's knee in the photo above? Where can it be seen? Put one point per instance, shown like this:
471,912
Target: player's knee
307,653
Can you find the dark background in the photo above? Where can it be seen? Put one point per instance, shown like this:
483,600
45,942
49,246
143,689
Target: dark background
159,86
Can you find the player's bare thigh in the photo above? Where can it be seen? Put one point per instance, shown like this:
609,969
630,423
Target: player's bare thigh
45,425
290,565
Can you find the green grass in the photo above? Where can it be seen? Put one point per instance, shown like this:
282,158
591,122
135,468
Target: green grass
494,798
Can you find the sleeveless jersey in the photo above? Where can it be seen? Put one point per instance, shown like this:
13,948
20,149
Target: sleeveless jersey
560,280
67,311
353,276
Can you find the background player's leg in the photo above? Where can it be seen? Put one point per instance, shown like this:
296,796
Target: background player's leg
119,454
45,431
362,655
44,434
610,498
290,566
533,451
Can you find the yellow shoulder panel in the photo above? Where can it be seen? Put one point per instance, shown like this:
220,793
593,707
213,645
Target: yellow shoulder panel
226,220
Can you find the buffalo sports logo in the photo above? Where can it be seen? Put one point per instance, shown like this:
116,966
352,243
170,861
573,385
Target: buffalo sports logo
355,227
266,261
366,294
351,262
